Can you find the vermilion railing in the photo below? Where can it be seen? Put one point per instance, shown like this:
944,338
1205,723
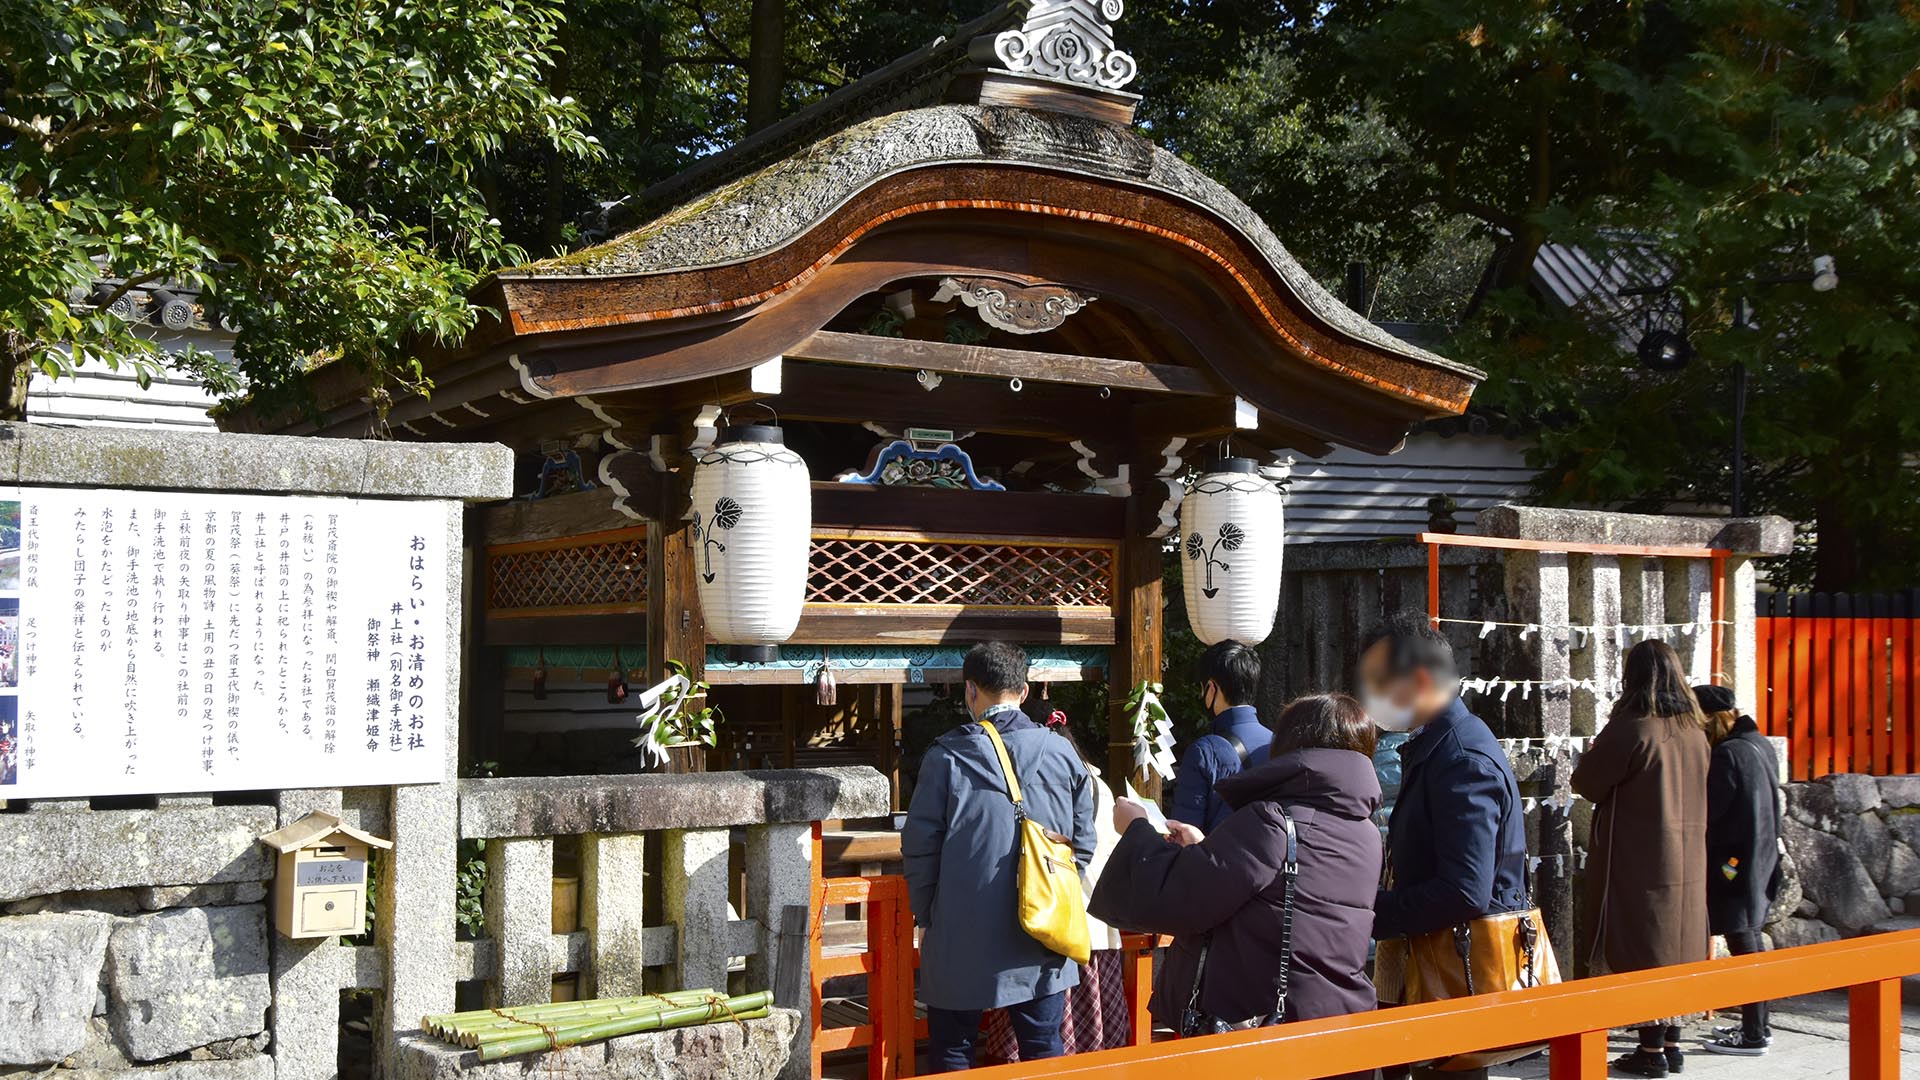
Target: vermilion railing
888,962
1573,1018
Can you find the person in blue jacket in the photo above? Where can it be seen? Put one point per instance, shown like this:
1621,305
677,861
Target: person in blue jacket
1456,842
961,846
1231,674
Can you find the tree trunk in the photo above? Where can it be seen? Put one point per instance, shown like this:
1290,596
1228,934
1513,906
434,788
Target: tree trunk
15,370
766,62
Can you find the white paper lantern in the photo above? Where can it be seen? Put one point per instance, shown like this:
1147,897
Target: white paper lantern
1232,532
752,526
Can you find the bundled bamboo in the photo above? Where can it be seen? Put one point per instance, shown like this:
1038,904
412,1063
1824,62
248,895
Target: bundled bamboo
498,1033
464,1028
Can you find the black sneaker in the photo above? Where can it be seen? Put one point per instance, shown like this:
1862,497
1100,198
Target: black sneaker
1642,1063
1737,1044
1675,1063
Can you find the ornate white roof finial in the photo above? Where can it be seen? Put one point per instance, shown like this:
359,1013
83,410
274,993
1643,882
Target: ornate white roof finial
1067,40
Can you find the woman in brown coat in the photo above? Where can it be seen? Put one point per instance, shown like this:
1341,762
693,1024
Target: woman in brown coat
1646,774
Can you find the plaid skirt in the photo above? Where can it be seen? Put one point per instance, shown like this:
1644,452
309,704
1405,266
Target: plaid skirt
1096,1016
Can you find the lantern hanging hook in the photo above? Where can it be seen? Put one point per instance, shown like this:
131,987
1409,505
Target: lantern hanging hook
1106,392
927,379
1014,384
728,415
1226,448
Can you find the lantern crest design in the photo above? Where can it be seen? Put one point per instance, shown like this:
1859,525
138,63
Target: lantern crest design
1233,523
753,524
726,514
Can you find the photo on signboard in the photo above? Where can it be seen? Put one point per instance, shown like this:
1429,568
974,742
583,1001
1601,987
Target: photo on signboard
9,642
9,544
9,741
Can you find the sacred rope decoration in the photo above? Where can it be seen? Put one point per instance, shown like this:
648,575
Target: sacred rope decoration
1230,538
1152,730
726,514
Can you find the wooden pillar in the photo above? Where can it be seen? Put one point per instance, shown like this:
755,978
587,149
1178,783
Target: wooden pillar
675,628
1873,1030
1136,653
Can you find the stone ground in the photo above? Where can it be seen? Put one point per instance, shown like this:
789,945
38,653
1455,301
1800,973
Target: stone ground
1809,1041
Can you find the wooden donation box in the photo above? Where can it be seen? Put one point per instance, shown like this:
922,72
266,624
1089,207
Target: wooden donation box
320,880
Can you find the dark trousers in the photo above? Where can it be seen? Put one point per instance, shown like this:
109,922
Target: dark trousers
952,1034
1753,1018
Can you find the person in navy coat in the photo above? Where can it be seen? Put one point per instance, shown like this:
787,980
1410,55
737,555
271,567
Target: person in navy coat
960,846
1456,842
1230,674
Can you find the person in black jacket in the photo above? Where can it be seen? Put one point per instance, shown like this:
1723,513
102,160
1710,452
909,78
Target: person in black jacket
1743,848
1226,891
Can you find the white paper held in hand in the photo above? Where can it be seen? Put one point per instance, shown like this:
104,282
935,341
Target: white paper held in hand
1154,817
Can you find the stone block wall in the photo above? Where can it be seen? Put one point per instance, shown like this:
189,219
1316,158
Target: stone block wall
135,943
1853,848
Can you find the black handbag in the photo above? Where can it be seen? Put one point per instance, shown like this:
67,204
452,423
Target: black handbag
1194,1021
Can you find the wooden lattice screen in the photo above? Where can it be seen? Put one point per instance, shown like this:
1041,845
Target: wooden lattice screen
602,573
606,573
972,572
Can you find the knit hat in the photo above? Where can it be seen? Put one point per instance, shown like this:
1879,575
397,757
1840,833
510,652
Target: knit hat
1714,699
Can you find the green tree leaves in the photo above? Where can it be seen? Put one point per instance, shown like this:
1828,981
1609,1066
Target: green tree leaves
311,165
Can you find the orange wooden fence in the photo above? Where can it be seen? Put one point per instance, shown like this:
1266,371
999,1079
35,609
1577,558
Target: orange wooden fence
1837,678
1572,1018
888,962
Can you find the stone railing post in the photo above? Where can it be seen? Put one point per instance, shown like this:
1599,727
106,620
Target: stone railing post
307,974
1690,600
1595,602
1739,651
779,874
1538,591
518,907
612,872
414,919
693,883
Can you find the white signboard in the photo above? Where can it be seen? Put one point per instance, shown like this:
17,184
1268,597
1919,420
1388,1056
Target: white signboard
167,642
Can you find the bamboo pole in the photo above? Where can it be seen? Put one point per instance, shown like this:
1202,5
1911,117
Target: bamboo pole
746,1007
518,1018
450,1024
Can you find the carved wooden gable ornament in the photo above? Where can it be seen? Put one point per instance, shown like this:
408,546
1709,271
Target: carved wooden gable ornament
1067,40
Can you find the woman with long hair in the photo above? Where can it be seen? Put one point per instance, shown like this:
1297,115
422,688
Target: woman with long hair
1646,775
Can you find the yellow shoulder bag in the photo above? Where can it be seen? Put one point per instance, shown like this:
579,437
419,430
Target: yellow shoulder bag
1053,904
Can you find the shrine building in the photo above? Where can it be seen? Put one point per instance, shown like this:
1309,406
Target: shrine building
996,322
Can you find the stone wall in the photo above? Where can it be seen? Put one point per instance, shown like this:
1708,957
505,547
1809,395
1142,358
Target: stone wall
155,947
1853,845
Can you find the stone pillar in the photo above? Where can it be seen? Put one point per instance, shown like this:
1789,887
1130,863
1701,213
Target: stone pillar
414,923
780,873
1643,596
612,875
1537,591
518,905
1595,601
1739,652
693,882
1689,591
307,975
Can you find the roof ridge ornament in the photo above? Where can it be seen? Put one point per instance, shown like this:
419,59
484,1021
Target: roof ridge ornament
1066,40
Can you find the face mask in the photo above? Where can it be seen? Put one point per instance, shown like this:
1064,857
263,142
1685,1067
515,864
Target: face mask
1388,715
